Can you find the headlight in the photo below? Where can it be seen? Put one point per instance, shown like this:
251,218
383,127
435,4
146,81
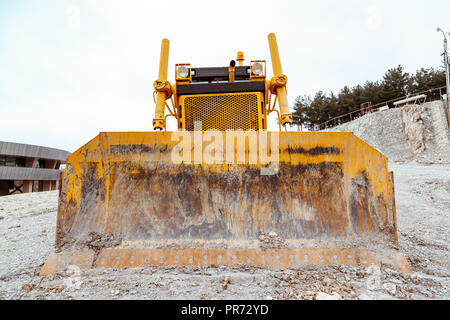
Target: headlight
183,71
258,68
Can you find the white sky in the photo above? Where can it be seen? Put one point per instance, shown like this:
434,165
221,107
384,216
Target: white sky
71,69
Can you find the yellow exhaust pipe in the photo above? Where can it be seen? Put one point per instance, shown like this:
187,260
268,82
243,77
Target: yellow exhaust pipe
231,71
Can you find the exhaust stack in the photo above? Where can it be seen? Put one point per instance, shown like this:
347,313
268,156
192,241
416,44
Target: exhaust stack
231,71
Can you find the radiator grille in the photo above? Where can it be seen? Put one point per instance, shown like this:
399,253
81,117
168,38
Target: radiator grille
222,111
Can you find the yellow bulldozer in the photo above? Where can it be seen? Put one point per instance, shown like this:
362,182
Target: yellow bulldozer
222,190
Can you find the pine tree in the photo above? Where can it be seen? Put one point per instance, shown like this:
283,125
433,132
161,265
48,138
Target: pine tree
301,108
426,79
371,92
395,84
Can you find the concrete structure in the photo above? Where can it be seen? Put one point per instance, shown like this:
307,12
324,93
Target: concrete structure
28,168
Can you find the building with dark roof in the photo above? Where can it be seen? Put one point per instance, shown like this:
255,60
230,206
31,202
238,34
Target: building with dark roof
28,168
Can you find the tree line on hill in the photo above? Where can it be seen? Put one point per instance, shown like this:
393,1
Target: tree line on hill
310,112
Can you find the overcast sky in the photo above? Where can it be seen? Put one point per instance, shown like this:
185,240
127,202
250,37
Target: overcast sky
71,69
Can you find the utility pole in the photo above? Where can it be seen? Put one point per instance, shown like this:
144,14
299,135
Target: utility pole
447,77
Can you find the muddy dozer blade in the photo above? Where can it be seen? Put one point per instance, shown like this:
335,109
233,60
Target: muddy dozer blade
273,200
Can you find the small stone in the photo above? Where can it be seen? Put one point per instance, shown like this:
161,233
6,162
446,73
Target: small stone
27,287
269,298
326,296
56,288
326,282
390,288
225,281
272,234
115,292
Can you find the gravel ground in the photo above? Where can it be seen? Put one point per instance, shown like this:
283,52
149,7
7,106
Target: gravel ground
27,230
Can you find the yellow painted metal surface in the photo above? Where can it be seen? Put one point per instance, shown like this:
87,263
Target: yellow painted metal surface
201,197
225,111
286,115
158,120
276,86
328,190
240,58
268,258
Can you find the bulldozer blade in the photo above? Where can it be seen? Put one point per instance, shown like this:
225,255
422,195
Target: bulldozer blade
269,258
281,199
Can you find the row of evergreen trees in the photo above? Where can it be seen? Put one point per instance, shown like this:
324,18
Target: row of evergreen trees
396,83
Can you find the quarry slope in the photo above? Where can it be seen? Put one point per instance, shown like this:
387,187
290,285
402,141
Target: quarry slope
417,133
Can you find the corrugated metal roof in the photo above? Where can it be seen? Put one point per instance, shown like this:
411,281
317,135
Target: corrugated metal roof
28,150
